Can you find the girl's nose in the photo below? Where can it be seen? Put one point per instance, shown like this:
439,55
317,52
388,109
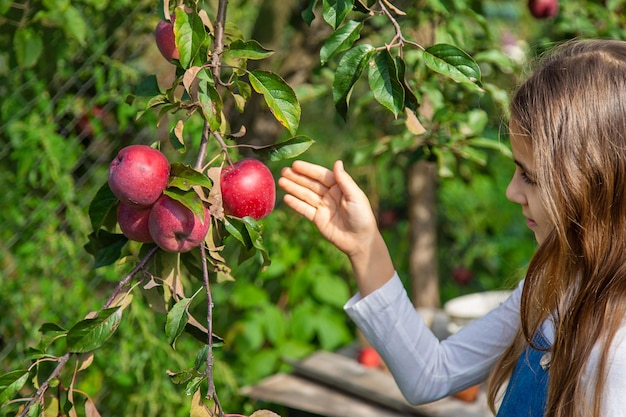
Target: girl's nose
514,191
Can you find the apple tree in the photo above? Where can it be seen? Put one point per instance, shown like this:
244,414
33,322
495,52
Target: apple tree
212,81
424,82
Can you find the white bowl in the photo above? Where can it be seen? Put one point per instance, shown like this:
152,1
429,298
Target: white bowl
466,308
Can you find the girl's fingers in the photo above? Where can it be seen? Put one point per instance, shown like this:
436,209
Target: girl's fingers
315,172
302,189
305,181
300,207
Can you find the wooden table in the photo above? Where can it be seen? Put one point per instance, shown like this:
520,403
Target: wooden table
334,385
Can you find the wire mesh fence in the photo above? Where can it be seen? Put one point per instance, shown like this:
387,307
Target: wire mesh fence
65,75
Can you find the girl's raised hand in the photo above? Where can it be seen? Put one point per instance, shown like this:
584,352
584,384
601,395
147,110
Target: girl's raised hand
332,201
343,214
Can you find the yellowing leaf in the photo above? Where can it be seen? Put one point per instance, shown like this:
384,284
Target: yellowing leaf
412,123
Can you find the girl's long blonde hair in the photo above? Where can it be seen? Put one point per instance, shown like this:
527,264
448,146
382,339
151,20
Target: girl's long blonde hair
573,109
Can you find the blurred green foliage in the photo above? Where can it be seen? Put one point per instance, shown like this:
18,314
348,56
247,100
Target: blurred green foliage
63,82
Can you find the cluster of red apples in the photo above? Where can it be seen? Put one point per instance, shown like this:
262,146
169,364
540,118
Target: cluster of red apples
138,177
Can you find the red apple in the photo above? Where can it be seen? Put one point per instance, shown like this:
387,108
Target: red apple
543,9
174,227
138,175
248,189
369,357
134,222
165,39
462,275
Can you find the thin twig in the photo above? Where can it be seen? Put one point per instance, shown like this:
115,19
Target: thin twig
222,143
128,277
211,392
401,39
44,387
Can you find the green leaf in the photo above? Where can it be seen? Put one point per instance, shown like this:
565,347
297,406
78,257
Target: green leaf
384,83
247,231
102,206
255,232
247,296
89,334
280,98
472,154
348,72
184,177
332,331
341,40
194,385
236,230
5,5
189,35
335,11
49,333
11,383
275,324
307,14
189,199
176,320
446,162
36,410
75,25
105,247
241,49
454,63
331,289
183,376
487,143
287,149
410,99
28,46
211,103
148,87
201,357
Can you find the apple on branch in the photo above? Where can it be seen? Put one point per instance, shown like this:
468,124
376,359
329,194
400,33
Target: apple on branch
166,40
543,9
134,222
138,175
174,227
248,189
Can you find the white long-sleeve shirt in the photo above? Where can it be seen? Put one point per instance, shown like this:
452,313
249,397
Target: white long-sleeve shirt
427,369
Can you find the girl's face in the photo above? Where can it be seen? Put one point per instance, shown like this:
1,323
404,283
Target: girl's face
523,188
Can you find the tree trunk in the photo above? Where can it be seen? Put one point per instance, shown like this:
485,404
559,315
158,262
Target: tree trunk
422,186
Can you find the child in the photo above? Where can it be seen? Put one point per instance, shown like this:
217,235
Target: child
557,346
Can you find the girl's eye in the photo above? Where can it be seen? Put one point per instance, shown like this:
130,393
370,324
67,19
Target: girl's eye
527,179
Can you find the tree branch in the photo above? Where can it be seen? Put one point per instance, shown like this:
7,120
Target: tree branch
204,143
211,393
44,387
128,277
220,23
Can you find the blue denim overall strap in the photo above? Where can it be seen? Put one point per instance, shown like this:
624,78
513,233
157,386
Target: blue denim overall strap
527,391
